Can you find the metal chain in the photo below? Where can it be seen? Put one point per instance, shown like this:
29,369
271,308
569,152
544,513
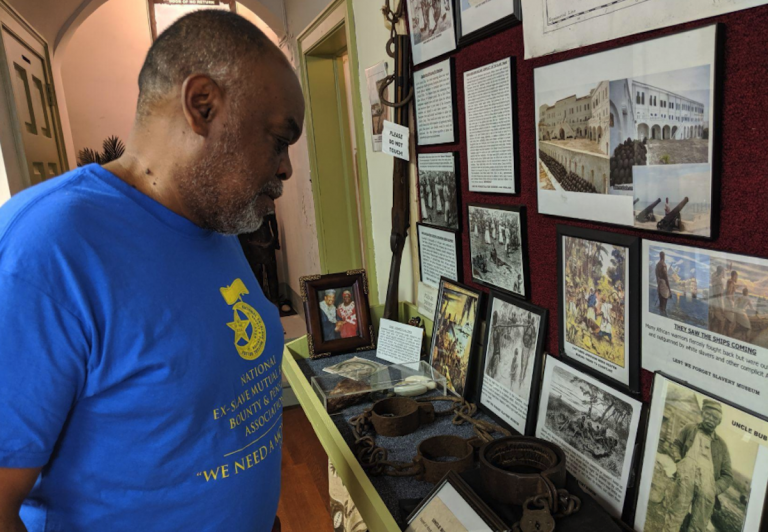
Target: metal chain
463,412
393,17
558,502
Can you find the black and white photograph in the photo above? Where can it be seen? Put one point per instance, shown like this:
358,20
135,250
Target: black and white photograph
438,189
509,383
432,29
498,247
376,78
477,19
618,130
439,254
706,319
704,466
595,425
434,97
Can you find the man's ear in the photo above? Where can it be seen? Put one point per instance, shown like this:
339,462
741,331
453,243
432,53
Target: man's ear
202,101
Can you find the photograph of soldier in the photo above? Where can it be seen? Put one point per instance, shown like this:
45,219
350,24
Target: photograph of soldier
338,315
429,19
438,200
453,333
496,247
592,420
703,467
738,301
595,275
678,285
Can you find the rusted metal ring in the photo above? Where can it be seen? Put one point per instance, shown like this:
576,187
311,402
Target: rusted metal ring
441,454
398,416
515,468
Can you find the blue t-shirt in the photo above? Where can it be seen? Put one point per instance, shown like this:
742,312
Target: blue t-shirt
139,365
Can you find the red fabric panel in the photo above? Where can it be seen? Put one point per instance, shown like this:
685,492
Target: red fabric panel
743,217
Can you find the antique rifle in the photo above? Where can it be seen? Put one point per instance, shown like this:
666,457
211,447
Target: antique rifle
398,47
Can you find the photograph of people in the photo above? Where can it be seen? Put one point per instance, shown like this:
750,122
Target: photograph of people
347,314
328,317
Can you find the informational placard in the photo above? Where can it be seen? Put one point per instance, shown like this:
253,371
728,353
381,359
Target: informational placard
399,343
438,255
375,77
434,104
490,128
705,320
595,426
447,510
395,140
427,300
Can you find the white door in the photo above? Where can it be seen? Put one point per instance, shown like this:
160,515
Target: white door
34,107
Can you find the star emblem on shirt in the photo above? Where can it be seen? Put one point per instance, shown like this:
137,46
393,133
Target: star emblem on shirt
239,326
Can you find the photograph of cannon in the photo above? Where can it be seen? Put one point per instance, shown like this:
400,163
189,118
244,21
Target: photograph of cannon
674,199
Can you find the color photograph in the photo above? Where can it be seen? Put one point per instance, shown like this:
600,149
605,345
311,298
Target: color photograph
595,297
679,285
453,333
700,464
738,300
338,315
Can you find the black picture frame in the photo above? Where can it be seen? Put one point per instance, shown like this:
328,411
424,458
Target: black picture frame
714,132
516,17
457,242
515,129
523,225
632,291
467,388
152,17
319,346
481,509
538,356
454,103
457,176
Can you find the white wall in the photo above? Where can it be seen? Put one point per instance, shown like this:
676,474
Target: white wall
372,36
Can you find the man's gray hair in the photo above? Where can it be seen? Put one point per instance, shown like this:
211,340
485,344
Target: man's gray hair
216,43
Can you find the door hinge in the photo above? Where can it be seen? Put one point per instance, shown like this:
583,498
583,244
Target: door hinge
51,95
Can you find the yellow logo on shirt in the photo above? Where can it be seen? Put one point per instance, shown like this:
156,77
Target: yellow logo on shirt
245,315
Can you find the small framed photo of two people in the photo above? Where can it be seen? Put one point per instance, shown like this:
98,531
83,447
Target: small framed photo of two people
453,334
599,296
337,313
705,463
508,385
498,248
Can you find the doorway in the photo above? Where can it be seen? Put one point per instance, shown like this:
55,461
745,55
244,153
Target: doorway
331,137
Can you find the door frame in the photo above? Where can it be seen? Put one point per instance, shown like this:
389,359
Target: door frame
336,14
15,161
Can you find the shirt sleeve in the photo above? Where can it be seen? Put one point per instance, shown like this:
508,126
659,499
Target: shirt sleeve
43,355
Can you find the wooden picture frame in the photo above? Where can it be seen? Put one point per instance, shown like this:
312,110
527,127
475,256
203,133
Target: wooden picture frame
326,337
490,28
499,274
528,374
202,5
595,337
432,277
457,486
422,182
454,298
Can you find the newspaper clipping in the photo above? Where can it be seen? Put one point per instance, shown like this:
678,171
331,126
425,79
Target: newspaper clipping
434,104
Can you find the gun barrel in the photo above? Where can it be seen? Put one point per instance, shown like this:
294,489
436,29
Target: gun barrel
668,223
645,214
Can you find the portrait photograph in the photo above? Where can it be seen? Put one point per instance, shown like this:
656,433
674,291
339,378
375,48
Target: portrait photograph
514,340
453,333
432,29
438,189
598,271
703,467
595,425
498,247
631,141
337,313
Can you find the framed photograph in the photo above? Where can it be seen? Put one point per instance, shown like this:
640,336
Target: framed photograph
432,29
439,254
706,320
478,19
490,103
453,334
337,313
596,426
453,505
435,100
705,463
631,136
599,299
498,247
439,190
163,13
508,385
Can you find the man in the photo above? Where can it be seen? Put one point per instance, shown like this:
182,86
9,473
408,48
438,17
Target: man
328,317
605,324
703,471
140,362
662,284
